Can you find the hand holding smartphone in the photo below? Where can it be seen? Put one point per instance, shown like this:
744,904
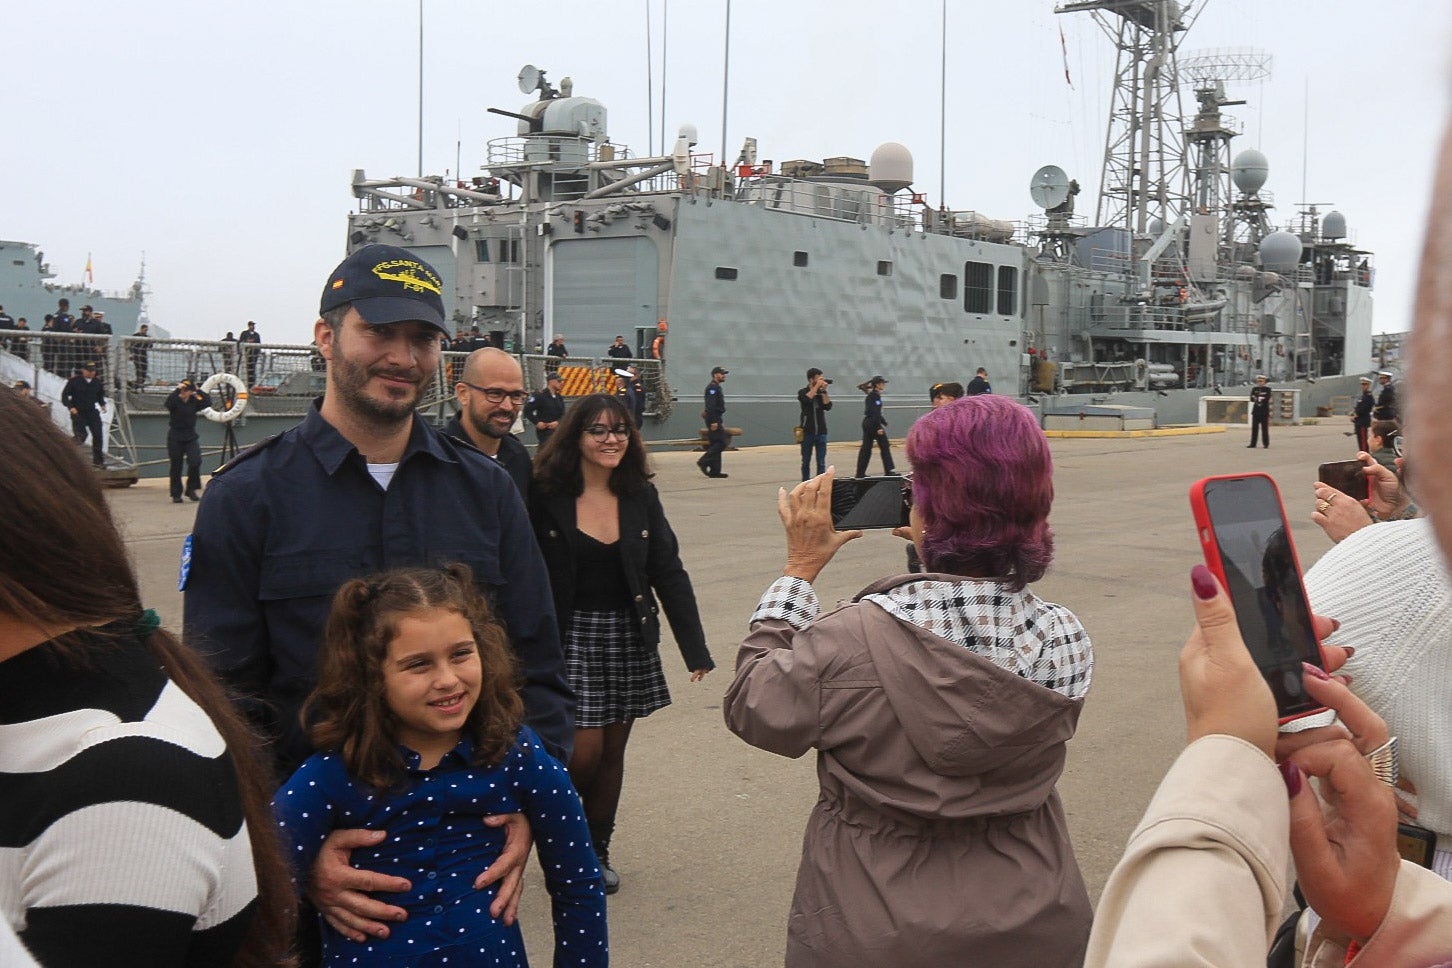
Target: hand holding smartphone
1247,544
863,503
1347,476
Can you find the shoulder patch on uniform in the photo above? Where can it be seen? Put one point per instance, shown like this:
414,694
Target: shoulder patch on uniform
247,453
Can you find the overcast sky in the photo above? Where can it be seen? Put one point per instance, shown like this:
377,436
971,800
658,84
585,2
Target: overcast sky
219,138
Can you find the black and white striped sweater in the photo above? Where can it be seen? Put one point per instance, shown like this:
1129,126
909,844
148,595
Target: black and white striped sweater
122,840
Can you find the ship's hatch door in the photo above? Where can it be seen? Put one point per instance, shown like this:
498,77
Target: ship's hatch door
602,288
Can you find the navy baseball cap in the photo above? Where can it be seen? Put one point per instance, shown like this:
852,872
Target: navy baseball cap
387,284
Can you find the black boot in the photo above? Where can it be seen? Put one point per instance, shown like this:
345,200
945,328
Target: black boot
600,837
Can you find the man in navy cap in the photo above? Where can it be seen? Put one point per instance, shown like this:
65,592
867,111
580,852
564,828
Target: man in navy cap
361,485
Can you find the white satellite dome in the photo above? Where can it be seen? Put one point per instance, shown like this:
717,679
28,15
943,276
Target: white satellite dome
1333,226
1249,170
1280,252
891,167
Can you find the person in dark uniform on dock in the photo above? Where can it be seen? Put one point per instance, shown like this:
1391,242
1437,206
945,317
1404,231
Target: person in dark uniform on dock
1260,408
183,404
84,396
979,384
874,427
1361,415
1386,399
544,409
618,350
714,414
250,342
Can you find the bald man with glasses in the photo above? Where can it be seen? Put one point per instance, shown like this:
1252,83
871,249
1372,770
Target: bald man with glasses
490,393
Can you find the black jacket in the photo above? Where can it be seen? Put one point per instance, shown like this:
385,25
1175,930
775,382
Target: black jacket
651,558
814,419
513,456
1386,403
1362,415
715,400
1260,400
872,418
83,395
182,424
543,407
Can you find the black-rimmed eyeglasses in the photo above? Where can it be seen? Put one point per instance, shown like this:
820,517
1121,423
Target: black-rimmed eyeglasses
498,394
600,431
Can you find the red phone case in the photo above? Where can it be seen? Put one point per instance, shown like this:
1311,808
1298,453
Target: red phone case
1213,561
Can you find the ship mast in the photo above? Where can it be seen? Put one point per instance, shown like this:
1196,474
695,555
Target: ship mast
1144,178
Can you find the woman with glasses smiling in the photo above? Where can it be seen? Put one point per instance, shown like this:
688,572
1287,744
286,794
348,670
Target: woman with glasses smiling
610,553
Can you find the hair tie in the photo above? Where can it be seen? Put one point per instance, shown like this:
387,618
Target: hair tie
148,622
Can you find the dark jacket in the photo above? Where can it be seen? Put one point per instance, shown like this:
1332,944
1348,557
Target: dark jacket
513,456
182,424
83,395
651,557
1260,400
1386,403
288,520
814,419
543,407
872,418
715,408
978,386
1362,415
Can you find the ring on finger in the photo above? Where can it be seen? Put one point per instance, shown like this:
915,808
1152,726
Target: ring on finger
1385,763
1322,506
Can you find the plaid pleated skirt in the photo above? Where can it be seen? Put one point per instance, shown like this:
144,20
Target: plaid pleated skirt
615,677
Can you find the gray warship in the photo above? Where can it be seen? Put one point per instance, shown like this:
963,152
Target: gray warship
1157,309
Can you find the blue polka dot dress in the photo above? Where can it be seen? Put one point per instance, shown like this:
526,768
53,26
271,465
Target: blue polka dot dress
438,841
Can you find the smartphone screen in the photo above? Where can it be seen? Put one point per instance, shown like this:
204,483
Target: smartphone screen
1347,476
1416,844
869,502
1248,543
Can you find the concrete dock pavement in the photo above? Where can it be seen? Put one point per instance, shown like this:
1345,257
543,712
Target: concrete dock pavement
710,829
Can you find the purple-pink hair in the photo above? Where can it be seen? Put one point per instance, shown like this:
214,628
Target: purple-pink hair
983,483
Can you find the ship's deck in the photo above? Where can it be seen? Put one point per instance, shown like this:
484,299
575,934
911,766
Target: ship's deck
710,829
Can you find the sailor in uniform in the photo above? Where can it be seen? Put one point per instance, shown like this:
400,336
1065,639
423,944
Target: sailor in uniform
1361,416
714,414
1260,407
1386,399
543,410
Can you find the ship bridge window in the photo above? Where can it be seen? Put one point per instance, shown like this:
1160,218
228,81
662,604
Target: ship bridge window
948,286
509,251
799,259
481,250
884,268
725,272
1007,289
977,287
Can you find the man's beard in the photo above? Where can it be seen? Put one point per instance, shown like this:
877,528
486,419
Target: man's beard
487,426
350,379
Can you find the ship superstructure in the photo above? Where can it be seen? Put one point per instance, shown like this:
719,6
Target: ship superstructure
1180,289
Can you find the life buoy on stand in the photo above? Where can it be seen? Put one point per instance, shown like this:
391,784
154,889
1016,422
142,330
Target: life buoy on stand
239,401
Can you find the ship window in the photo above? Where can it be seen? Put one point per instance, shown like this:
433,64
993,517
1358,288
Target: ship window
799,259
1007,289
725,272
948,286
884,268
481,250
977,287
509,251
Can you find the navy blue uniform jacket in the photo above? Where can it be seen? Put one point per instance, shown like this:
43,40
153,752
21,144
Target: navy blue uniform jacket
286,523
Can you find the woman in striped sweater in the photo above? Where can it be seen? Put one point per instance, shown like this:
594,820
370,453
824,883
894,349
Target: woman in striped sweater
134,826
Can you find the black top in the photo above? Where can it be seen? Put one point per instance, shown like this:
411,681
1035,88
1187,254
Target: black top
619,352
543,407
182,424
650,562
513,456
599,580
715,410
872,418
83,395
1386,404
1260,400
289,520
1362,415
977,386
813,419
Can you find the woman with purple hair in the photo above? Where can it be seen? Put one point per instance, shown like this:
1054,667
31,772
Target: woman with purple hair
940,705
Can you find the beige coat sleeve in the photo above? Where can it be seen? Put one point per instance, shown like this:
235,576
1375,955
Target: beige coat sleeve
775,701
1202,880
1417,931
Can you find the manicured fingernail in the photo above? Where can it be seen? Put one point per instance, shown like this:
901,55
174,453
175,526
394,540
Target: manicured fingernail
1336,627
1203,582
1292,775
1350,650
1315,672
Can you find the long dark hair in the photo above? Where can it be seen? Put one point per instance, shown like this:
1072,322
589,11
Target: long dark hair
63,566
557,466
348,711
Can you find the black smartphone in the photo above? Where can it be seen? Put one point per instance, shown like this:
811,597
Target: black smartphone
1347,476
1416,844
1247,544
861,503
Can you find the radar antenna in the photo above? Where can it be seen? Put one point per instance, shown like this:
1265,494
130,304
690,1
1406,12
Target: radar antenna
1144,177
1207,138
